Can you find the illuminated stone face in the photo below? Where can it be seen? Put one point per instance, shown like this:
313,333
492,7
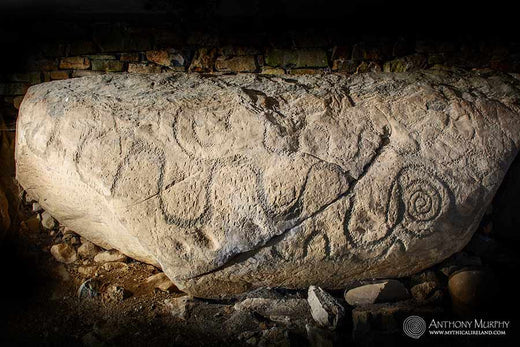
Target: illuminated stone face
233,182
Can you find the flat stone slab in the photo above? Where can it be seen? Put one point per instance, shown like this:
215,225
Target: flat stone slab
234,182
377,292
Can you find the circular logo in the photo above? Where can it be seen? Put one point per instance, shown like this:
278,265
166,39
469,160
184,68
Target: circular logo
414,326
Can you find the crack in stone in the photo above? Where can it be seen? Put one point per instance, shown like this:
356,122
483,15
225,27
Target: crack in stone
243,256
161,191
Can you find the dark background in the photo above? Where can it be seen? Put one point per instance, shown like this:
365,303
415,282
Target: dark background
467,34
26,23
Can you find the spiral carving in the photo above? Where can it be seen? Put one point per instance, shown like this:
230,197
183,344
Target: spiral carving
417,198
423,201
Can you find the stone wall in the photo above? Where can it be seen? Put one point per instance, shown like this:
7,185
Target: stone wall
45,40
118,48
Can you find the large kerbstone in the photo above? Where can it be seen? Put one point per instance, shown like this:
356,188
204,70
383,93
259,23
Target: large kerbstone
234,182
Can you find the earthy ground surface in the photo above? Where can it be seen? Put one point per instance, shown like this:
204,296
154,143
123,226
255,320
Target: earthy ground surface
43,307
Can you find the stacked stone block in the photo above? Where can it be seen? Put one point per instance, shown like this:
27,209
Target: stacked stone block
120,49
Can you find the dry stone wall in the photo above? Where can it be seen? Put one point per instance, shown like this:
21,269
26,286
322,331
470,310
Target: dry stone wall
117,48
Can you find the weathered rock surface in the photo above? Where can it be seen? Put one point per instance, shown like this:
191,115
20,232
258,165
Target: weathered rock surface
87,271
471,290
427,292
235,182
64,253
117,293
325,310
288,311
179,307
377,292
36,207
112,255
425,276
47,221
161,282
88,250
115,266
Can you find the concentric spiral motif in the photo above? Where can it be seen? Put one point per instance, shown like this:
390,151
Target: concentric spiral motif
422,200
417,198
414,327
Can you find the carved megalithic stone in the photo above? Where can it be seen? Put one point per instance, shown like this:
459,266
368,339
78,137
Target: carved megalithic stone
233,182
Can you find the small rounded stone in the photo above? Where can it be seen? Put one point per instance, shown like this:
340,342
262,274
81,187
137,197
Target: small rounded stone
64,253
470,290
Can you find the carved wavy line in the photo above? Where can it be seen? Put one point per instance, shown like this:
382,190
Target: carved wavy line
244,256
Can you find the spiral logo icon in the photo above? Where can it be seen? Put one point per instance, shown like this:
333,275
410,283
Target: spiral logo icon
414,326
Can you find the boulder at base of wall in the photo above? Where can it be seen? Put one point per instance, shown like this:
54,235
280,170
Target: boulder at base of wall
231,182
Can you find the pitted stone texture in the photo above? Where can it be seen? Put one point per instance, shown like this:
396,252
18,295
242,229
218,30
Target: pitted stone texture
377,292
325,309
235,182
